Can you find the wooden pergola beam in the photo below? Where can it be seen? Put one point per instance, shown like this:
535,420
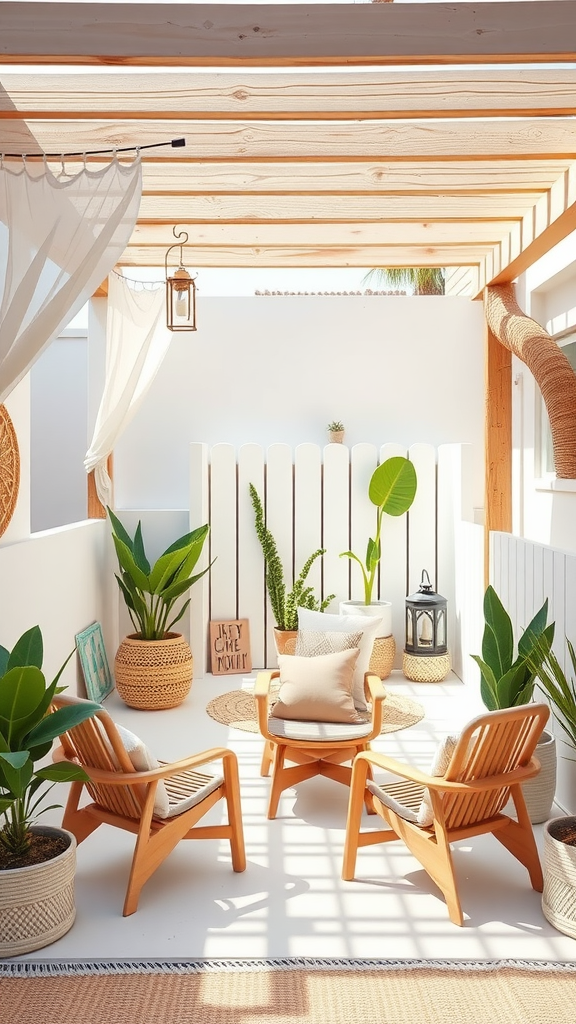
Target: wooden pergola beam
311,256
552,219
287,35
326,96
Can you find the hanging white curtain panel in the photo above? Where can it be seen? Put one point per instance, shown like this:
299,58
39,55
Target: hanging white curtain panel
137,340
59,239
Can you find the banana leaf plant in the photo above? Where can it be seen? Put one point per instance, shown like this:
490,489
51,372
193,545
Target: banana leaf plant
392,489
27,729
151,591
508,681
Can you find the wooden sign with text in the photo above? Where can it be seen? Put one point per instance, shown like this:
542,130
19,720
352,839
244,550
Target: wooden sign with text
230,647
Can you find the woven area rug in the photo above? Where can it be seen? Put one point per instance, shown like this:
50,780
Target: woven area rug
238,709
291,991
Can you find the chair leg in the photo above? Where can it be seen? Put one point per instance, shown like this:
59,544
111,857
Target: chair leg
78,821
232,782
518,838
267,758
276,786
360,770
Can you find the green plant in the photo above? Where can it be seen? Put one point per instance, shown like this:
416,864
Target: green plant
420,280
552,678
27,729
150,592
335,426
507,681
392,489
284,606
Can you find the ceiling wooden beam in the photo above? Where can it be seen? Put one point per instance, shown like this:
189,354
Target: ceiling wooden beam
325,234
230,95
312,256
386,140
287,34
261,208
552,219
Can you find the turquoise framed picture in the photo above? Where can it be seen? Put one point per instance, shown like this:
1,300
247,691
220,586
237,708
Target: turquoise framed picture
95,668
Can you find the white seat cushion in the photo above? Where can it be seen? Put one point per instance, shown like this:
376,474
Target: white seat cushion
317,731
326,622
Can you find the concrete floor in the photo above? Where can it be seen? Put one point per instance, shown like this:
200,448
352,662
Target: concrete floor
291,900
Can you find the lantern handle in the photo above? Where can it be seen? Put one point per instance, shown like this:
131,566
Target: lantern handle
427,585
177,234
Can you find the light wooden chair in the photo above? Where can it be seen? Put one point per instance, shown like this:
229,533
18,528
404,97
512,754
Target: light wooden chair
492,757
313,748
126,798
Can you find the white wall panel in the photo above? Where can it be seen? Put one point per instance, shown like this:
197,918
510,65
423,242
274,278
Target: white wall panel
422,517
251,576
223,544
363,462
308,512
336,520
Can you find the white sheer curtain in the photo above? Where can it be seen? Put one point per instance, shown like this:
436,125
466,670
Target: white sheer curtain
137,340
59,239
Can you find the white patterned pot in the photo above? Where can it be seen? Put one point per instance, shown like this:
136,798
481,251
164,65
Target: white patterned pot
539,791
37,902
559,869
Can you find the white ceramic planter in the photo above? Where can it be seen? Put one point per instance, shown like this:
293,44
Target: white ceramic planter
539,791
566,781
37,902
559,870
375,610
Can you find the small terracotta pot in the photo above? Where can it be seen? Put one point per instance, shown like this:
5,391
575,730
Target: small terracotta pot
285,640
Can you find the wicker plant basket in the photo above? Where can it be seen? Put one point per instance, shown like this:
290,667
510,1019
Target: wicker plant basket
382,657
559,868
539,791
426,670
285,640
37,902
153,674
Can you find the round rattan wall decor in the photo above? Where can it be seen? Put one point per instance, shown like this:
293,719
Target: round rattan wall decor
9,469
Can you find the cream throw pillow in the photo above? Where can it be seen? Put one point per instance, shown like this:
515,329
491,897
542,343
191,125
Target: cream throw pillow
317,689
326,622
440,763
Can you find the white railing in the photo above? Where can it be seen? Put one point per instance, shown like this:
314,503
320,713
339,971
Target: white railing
313,498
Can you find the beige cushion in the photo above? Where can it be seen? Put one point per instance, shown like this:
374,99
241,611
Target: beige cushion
317,689
418,806
310,643
326,622
440,763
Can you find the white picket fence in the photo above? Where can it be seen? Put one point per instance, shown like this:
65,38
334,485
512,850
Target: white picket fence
318,497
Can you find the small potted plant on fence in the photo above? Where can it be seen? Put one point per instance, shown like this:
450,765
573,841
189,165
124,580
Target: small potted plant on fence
336,431
507,682
37,862
153,666
392,490
559,860
284,605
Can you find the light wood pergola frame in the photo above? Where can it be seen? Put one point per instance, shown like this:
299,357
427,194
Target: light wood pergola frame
312,160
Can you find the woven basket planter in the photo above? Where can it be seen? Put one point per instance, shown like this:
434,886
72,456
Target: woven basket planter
153,674
285,640
426,670
559,869
37,902
539,791
382,657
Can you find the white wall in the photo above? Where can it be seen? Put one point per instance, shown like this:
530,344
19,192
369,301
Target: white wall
272,369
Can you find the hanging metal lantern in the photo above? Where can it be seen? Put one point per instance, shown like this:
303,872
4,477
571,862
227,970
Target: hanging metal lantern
180,291
426,657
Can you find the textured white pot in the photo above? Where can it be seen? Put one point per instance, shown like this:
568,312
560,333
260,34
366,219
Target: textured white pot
374,610
566,781
559,870
539,791
37,902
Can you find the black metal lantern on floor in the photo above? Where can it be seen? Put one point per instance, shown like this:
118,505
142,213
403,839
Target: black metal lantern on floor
180,292
426,657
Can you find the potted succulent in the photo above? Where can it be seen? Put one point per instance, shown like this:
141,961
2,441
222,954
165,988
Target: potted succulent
559,860
508,681
284,605
153,666
392,490
37,862
336,431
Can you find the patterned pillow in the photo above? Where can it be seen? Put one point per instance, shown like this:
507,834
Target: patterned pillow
312,642
317,689
326,622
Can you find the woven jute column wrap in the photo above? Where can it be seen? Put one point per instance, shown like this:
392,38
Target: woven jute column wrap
153,674
37,902
548,364
559,869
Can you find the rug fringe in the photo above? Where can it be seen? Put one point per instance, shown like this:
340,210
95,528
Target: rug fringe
45,968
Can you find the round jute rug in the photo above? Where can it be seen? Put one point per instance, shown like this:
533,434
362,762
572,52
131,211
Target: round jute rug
238,709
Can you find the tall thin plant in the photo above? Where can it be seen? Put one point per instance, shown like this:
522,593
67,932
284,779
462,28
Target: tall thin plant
560,690
284,605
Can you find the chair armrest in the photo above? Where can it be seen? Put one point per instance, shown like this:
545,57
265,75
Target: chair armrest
165,771
262,698
376,693
406,771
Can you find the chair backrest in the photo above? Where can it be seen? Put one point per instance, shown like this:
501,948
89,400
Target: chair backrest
95,743
491,746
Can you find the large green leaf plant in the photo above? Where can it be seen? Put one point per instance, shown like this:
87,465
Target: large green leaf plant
508,681
392,489
27,730
151,591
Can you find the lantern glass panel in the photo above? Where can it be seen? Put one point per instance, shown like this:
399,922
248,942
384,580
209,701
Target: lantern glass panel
441,628
425,629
